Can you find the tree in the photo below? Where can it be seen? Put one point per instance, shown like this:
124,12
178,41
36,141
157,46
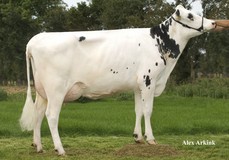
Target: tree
19,21
16,28
134,13
80,18
156,12
55,20
214,45
217,45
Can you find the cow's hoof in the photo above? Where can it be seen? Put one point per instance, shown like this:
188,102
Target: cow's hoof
139,141
40,151
60,153
152,142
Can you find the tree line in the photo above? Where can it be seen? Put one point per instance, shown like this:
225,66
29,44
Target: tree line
22,19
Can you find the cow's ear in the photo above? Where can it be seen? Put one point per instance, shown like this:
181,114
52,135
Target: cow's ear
178,13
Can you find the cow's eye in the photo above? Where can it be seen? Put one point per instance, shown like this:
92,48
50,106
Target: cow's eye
190,16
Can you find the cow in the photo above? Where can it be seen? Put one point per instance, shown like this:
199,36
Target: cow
68,65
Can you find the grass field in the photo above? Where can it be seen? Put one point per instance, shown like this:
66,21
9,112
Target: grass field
103,130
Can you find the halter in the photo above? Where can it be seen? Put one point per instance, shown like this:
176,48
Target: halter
185,25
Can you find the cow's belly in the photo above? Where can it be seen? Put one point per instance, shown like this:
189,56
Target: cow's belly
79,89
99,88
100,92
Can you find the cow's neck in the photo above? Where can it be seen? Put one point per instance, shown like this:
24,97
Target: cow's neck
170,40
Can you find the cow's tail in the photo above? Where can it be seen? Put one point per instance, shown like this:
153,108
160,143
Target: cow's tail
28,117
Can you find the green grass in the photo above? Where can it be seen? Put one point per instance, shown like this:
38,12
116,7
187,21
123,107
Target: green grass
201,87
116,147
103,130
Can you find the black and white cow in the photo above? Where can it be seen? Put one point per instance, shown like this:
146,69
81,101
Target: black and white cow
93,64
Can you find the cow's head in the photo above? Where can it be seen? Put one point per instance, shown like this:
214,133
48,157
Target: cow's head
190,23
173,34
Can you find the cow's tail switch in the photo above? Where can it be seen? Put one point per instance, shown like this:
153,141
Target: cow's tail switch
28,117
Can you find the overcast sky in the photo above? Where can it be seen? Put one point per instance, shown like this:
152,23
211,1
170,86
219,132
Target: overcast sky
71,3
195,5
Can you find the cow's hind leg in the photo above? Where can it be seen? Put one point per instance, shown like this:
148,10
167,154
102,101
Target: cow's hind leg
52,114
41,105
139,113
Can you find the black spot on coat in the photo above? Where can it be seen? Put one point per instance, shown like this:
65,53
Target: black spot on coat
165,43
82,38
135,135
147,81
178,12
190,16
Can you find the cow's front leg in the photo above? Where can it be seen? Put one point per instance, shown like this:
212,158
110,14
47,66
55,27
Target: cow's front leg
147,97
139,113
147,110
